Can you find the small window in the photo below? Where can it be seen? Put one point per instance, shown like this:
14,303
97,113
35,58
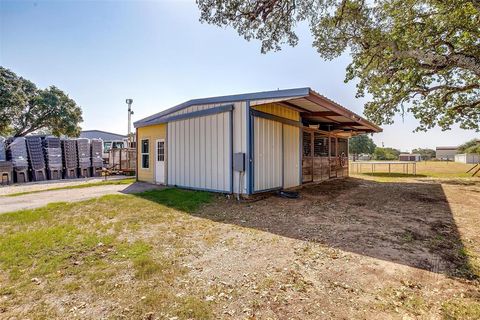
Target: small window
160,150
107,146
117,145
145,154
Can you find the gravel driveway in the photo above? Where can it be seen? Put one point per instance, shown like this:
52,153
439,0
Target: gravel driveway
36,200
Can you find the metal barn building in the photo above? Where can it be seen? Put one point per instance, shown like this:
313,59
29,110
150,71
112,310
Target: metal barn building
248,143
410,157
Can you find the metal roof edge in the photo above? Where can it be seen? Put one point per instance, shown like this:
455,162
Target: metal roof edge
285,93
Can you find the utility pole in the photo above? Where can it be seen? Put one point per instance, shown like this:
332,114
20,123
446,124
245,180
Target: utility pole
130,112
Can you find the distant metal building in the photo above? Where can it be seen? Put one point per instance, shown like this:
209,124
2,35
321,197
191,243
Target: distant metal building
470,158
446,153
248,143
110,140
410,157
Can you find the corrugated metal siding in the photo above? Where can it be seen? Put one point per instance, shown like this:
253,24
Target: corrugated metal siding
291,154
267,154
200,150
279,110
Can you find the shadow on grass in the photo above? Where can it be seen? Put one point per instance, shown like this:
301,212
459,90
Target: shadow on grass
183,200
406,223
392,175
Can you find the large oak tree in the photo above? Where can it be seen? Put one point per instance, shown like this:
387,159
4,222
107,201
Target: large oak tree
26,109
418,56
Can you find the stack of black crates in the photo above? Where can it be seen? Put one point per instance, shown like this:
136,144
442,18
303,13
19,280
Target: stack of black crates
17,154
6,167
96,147
53,157
36,159
84,161
70,158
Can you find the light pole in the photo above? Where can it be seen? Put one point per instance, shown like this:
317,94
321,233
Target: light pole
130,112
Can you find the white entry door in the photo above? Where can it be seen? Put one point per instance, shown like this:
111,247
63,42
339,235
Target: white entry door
160,161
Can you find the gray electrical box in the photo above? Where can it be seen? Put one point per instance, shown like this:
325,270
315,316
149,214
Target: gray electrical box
239,161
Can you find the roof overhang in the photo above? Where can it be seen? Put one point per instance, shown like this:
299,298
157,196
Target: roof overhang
319,110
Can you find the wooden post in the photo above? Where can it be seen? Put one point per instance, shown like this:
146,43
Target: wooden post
329,157
312,153
336,157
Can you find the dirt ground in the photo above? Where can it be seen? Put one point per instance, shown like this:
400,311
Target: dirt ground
346,249
351,249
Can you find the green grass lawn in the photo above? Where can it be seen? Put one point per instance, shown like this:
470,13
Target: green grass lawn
79,186
92,246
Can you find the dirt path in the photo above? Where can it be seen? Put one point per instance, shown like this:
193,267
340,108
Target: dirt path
36,200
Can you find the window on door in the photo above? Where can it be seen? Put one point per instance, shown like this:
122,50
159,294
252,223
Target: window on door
145,154
160,150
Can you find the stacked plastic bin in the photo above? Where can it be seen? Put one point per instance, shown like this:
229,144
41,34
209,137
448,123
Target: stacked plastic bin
36,159
17,154
96,147
70,158
84,159
6,168
53,157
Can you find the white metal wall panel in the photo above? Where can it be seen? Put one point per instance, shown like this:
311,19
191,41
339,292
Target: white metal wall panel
200,152
291,156
267,154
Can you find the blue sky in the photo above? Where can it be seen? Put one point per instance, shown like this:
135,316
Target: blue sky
157,53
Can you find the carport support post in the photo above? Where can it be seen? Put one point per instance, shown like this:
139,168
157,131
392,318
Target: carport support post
249,155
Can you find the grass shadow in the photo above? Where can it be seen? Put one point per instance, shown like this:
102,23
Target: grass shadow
183,200
392,175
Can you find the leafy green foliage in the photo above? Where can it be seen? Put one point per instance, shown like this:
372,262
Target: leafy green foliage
426,154
386,154
417,56
472,146
361,144
26,109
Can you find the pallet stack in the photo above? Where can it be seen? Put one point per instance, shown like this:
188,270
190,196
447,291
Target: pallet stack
53,157
17,154
36,159
84,159
70,158
96,148
6,168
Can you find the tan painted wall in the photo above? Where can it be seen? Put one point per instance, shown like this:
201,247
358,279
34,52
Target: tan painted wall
152,133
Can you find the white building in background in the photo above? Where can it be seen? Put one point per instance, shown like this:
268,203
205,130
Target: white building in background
467,158
446,153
